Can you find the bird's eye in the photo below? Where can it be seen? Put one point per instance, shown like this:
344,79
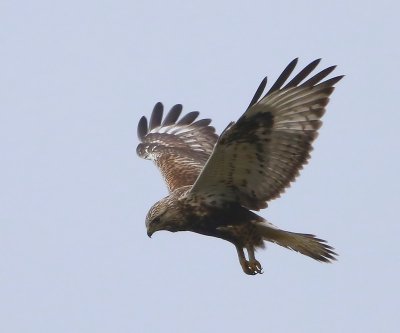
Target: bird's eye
156,220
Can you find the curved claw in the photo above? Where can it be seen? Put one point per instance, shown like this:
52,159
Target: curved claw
255,267
252,267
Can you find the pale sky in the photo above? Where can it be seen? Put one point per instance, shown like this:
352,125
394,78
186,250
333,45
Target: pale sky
76,76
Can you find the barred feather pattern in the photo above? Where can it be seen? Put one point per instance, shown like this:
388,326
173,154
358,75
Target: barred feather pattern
306,244
179,147
256,158
215,183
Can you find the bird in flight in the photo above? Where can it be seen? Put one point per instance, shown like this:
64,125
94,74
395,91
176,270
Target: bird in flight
215,183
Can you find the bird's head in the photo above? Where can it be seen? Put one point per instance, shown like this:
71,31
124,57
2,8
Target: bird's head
163,215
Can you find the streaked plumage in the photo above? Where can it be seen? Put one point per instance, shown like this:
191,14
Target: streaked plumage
214,183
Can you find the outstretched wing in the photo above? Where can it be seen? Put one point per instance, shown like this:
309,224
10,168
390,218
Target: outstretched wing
257,157
179,148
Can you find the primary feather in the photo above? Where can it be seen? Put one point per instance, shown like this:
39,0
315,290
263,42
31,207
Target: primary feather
214,183
256,158
179,148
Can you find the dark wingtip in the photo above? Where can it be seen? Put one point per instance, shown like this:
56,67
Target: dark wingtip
292,64
142,128
156,115
202,122
334,80
283,77
258,92
172,115
188,118
303,73
319,76
156,120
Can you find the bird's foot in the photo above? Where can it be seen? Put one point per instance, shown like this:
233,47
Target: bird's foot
255,267
251,267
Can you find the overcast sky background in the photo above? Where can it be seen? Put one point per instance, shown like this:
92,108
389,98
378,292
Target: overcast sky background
75,78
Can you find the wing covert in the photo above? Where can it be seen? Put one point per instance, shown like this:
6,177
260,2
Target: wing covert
179,148
256,158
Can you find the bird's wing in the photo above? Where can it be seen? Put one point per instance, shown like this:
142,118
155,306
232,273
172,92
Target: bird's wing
257,157
179,148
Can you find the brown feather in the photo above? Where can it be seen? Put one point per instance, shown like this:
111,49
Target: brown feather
259,156
179,148
214,185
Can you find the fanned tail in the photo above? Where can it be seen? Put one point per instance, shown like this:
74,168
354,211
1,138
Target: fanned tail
306,244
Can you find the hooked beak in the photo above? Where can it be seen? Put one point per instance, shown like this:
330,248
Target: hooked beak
151,229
